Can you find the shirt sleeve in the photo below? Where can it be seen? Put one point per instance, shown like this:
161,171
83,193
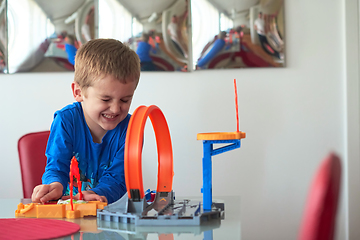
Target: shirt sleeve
112,182
58,152
218,45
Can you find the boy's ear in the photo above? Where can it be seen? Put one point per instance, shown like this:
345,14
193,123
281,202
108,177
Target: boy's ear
77,93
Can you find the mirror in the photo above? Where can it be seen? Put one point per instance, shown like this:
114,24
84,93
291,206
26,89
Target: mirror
43,35
3,37
157,30
237,34
224,33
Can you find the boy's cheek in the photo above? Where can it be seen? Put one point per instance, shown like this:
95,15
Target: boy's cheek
127,107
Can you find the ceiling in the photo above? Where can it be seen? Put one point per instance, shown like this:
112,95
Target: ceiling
239,6
142,9
56,9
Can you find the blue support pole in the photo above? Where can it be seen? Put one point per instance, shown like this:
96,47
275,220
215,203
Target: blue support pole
207,166
207,175
208,235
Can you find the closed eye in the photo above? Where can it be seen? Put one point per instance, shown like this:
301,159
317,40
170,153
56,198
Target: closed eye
105,100
125,100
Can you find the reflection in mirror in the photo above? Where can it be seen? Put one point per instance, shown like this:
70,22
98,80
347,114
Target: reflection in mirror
3,37
237,34
43,35
157,30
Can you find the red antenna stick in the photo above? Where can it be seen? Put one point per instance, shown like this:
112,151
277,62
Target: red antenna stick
236,107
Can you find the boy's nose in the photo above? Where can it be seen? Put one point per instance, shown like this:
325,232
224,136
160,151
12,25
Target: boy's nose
115,107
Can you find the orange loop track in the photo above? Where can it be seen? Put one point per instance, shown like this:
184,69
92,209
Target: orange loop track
133,150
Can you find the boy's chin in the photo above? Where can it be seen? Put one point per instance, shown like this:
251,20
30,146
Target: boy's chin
109,127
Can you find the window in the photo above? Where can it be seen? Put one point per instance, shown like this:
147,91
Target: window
205,24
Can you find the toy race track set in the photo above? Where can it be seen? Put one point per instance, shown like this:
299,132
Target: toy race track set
134,207
164,209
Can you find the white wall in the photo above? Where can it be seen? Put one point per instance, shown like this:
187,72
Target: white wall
292,116
352,165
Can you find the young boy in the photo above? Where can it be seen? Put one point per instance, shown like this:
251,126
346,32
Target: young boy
93,129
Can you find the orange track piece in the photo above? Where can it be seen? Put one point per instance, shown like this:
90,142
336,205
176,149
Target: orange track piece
38,210
221,136
133,150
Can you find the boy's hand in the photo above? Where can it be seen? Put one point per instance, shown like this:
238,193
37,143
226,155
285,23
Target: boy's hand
46,192
88,196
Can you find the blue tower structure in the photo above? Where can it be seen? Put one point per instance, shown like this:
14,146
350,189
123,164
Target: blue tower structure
209,139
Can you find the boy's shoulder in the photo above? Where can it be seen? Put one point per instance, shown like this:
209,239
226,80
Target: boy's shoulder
71,109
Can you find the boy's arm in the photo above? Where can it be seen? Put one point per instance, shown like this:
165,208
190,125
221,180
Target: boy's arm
112,182
58,152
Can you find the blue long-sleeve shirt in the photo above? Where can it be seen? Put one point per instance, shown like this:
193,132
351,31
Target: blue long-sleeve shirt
218,45
71,52
143,51
101,165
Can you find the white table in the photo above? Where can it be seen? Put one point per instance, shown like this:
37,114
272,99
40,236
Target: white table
92,228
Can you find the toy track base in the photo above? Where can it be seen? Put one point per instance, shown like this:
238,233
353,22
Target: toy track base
177,213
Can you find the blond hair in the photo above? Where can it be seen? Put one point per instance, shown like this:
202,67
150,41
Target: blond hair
101,57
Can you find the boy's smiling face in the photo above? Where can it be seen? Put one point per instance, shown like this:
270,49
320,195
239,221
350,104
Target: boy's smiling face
105,104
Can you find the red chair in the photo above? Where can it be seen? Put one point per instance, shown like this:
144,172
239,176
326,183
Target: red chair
31,148
319,218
